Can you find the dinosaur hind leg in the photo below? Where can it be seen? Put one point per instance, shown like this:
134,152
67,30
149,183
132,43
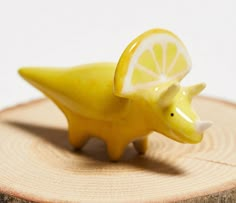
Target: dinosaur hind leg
77,139
78,136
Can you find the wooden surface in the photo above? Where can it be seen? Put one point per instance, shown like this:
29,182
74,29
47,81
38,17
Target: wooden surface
38,164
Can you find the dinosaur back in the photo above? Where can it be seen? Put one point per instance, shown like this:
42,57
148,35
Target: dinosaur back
85,90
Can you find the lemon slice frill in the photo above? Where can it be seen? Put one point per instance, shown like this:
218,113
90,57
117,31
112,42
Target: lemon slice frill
155,57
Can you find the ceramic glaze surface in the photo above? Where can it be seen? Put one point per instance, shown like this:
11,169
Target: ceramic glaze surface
124,102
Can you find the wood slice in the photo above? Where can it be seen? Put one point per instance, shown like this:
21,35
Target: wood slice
38,164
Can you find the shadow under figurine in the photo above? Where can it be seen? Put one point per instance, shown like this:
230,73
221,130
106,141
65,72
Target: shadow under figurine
124,102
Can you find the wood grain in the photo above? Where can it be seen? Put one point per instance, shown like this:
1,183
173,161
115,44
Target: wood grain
39,165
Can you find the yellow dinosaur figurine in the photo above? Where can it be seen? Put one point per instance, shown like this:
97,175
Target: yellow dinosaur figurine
124,102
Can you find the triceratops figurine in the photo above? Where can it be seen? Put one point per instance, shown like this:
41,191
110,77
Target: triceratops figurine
124,102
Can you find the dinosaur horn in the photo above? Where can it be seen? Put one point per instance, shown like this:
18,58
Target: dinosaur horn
167,95
201,126
195,89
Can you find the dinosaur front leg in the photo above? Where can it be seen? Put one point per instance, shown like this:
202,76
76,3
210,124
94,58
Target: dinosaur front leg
141,145
115,149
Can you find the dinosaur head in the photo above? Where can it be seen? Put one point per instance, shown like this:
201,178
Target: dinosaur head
179,120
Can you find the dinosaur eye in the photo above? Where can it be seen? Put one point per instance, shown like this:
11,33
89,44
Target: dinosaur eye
172,114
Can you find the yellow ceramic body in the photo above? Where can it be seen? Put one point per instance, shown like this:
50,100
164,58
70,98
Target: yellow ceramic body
85,95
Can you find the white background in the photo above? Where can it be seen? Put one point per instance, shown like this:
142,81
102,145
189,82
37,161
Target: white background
68,33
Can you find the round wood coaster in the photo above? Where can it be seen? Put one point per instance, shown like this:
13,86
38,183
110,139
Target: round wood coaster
38,164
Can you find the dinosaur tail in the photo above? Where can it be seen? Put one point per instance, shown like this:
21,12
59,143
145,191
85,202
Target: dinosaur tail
47,80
